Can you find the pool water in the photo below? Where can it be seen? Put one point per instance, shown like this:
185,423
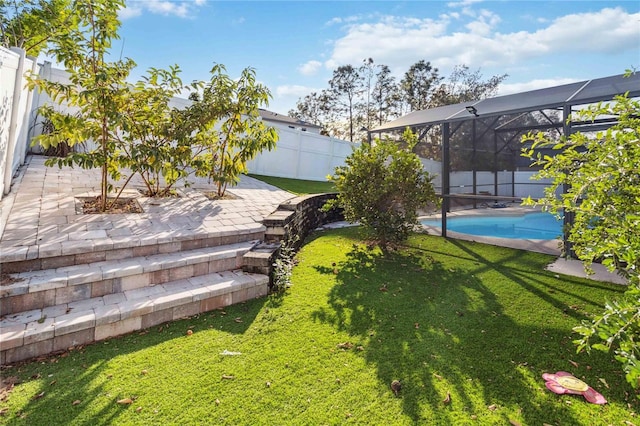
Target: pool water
531,226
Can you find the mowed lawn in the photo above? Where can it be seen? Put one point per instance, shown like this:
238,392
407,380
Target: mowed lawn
475,322
297,186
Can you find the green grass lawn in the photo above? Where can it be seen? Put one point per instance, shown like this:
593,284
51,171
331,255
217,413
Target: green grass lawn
481,323
297,186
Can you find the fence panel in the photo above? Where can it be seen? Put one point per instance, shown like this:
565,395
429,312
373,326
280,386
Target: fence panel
15,107
302,155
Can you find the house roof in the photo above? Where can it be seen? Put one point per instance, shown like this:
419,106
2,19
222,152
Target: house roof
580,93
285,119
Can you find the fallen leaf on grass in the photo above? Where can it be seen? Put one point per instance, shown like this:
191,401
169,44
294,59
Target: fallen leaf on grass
3,411
217,401
226,377
416,325
53,383
138,409
604,382
189,332
238,319
575,364
38,396
268,384
76,402
492,407
447,399
437,376
144,372
36,376
514,423
345,345
125,401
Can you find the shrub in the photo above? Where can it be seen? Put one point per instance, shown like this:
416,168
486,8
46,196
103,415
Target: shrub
382,187
601,174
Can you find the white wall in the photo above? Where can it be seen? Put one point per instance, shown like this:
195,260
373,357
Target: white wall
301,155
15,107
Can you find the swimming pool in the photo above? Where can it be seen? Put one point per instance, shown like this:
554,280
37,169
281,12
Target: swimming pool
530,226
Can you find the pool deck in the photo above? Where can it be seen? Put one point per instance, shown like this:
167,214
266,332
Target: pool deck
561,265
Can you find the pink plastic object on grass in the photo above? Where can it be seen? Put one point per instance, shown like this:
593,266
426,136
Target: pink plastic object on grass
563,382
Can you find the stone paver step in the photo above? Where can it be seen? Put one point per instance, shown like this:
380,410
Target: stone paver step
50,287
56,255
41,331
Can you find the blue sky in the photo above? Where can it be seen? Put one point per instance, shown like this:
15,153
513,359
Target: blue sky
295,45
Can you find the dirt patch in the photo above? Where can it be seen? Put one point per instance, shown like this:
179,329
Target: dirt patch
213,196
120,206
165,193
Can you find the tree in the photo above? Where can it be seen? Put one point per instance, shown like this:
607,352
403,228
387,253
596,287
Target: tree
155,140
367,72
418,83
464,85
385,96
312,108
226,122
97,90
382,187
601,174
344,89
32,24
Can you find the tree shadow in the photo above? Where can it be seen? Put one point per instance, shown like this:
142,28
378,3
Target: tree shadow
439,328
89,369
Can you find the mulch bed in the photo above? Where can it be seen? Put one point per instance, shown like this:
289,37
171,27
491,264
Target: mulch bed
121,206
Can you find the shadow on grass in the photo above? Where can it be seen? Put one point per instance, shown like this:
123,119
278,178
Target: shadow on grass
81,374
448,321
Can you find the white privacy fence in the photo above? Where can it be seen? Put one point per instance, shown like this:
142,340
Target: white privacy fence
302,155
509,183
15,109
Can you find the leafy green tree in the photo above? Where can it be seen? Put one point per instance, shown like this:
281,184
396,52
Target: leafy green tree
154,141
386,97
226,122
32,24
601,174
97,91
312,108
345,87
418,83
464,85
382,186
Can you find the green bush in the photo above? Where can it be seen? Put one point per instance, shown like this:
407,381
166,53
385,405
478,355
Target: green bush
601,173
382,187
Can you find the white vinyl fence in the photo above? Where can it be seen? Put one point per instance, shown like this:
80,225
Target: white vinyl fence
15,109
302,155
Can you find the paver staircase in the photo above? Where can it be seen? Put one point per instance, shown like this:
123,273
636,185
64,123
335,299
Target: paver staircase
76,297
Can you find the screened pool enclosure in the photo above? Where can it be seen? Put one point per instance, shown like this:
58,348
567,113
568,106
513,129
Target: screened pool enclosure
474,147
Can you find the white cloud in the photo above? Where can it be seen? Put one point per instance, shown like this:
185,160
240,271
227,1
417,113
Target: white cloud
181,9
338,20
309,68
294,90
462,3
399,42
238,21
129,12
507,89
